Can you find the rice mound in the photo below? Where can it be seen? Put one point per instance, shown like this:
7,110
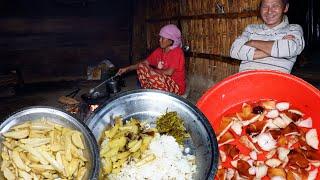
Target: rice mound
170,163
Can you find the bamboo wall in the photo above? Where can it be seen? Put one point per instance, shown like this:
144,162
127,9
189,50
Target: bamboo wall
213,36
207,30
193,7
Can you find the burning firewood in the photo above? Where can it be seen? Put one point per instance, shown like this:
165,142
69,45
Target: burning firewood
68,100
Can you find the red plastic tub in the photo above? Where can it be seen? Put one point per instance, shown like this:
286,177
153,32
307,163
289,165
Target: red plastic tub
256,85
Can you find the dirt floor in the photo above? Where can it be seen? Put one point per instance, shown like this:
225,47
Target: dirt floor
47,94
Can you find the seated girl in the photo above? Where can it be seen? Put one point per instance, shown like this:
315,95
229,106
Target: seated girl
164,69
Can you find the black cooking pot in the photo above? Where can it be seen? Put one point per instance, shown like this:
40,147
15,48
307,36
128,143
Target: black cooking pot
96,97
114,85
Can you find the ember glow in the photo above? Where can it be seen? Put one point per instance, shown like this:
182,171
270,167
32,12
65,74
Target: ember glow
72,110
93,107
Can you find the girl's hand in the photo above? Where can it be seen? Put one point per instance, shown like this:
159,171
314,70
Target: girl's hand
122,70
160,65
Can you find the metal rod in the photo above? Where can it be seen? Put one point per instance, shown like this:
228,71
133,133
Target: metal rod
92,90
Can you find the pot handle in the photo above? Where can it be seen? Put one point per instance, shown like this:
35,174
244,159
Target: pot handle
92,90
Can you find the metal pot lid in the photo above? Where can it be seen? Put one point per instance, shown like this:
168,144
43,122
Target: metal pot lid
150,104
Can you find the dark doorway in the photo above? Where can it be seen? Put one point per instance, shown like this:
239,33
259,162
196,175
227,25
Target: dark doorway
307,14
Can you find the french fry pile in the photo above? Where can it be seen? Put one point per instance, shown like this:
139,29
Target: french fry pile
42,150
125,142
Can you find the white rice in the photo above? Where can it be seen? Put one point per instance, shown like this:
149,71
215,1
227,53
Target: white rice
170,163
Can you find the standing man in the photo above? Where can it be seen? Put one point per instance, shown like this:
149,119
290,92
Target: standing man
273,45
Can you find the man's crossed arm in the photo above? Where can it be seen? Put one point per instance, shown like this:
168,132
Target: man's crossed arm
264,48
289,46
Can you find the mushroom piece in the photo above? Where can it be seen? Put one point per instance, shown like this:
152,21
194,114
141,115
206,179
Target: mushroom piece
312,138
230,173
307,123
226,138
315,163
297,159
261,171
296,112
282,106
223,156
283,153
293,176
269,104
271,153
253,155
245,141
237,126
311,154
246,111
276,173
231,150
225,142
256,128
285,162
291,129
278,178
272,114
282,140
266,141
252,120
237,176
282,122
273,162
313,174
243,168
252,170
308,168
292,141
234,163
224,130
270,125
244,157
239,116
251,162
221,174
